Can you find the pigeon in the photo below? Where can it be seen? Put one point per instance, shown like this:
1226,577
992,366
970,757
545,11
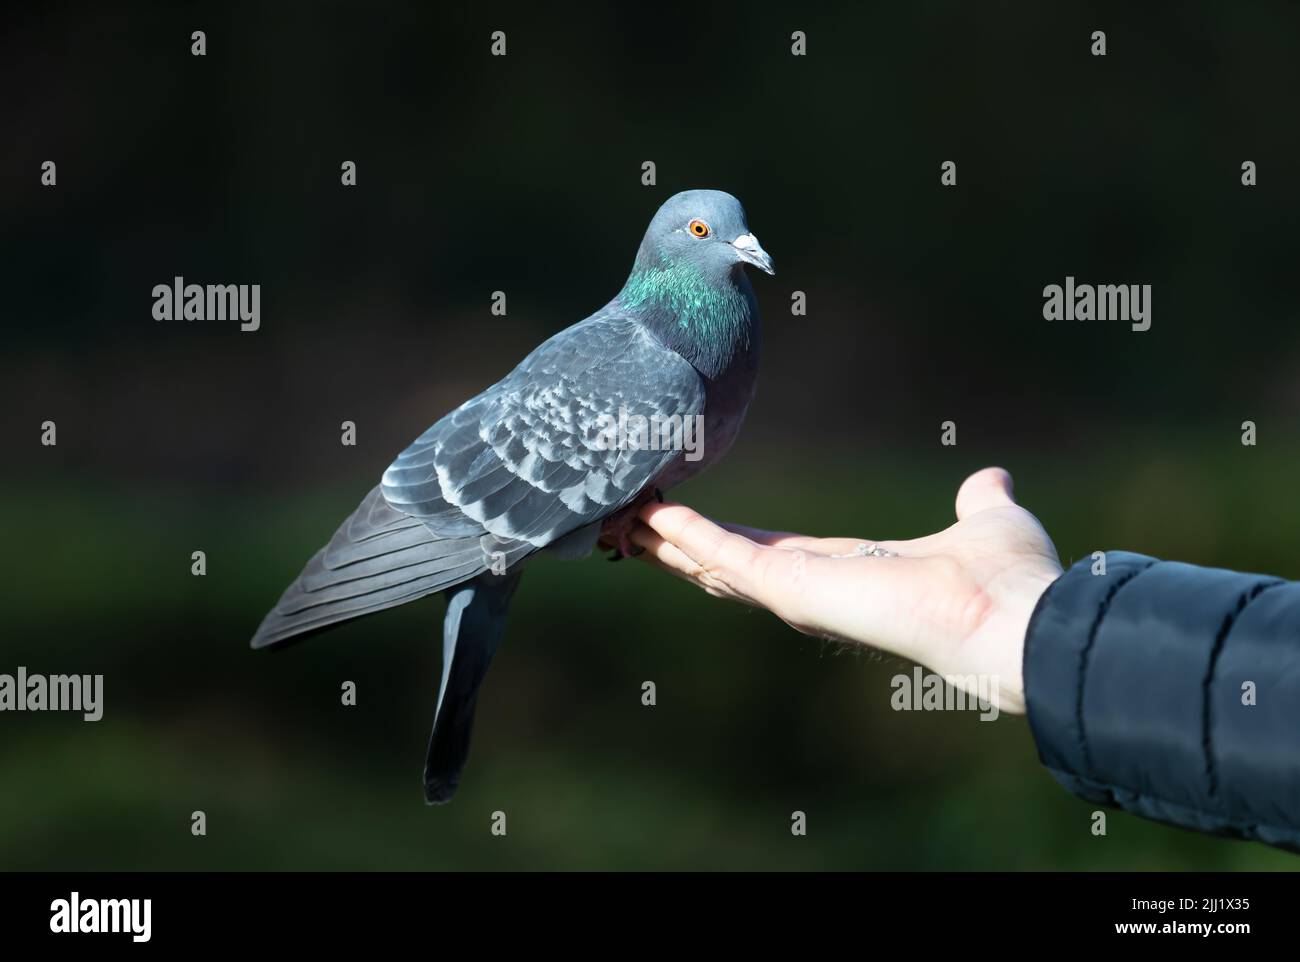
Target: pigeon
536,463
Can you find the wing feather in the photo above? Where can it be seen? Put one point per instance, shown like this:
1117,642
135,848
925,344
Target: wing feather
529,459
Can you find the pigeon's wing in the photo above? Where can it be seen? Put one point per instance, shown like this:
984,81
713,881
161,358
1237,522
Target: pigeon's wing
378,558
537,455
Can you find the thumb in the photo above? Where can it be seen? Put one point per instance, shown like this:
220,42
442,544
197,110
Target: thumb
988,488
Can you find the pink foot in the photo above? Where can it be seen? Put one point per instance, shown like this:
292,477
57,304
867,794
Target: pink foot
617,529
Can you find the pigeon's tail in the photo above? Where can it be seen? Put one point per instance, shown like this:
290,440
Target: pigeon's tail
475,622
378,558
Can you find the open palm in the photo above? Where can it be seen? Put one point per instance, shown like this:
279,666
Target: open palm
957,601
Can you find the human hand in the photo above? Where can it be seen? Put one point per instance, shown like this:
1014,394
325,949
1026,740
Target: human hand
957,601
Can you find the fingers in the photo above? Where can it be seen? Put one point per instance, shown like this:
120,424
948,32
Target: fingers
668,557
758,535
989,488
708,546
792,542
854,597
723,563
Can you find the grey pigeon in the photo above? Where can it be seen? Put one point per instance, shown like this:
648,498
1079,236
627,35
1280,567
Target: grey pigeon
534,462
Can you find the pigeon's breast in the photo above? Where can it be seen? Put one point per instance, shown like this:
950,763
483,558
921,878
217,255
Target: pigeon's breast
725,405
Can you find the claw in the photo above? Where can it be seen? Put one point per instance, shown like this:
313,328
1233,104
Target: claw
627,548
659,496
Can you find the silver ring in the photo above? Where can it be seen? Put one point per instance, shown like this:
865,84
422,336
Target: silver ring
871,550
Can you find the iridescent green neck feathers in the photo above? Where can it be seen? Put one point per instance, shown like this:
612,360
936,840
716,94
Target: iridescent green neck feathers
706,320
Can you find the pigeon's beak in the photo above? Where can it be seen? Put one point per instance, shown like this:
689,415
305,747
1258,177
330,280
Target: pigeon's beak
750,251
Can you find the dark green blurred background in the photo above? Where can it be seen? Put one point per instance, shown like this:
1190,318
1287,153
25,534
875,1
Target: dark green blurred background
522,174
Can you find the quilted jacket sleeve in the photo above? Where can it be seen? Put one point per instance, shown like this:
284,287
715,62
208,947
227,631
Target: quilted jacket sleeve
1172,692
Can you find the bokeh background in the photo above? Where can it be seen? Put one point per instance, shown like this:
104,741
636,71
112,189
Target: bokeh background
522,174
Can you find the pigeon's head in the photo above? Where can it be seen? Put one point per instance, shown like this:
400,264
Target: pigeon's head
705,229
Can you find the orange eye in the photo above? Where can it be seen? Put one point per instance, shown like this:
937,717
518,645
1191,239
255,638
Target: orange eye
698,228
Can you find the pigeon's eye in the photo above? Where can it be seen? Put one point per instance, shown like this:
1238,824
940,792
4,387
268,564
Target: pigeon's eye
698,228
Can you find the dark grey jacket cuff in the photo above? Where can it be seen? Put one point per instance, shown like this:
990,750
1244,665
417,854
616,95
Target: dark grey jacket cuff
1172,692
